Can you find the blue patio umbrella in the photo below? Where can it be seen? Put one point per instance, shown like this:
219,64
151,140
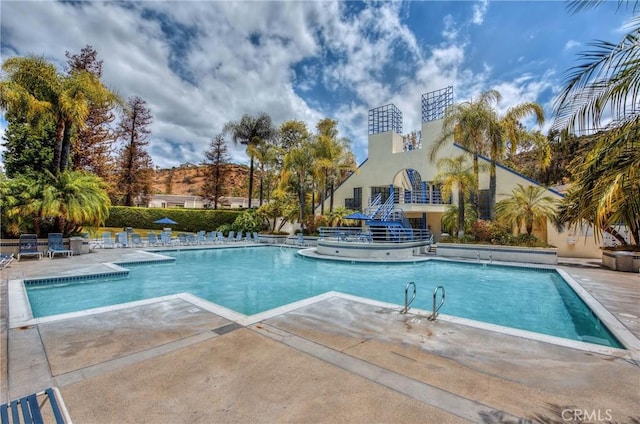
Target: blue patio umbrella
165,221
357,216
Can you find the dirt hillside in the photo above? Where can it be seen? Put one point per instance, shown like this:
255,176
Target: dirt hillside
188,179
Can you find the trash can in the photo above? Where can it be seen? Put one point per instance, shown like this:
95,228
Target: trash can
75,244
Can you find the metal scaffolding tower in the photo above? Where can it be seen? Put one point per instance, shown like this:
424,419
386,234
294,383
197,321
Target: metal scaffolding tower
385,118
435,103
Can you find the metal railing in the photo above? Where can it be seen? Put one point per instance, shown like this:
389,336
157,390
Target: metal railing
375,235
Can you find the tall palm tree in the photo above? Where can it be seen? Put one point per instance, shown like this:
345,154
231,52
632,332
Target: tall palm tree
251,131
606,190
506,131
526,206
455,174
33,87
297,171
468,123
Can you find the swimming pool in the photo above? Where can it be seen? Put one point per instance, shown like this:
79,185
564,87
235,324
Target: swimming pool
253,280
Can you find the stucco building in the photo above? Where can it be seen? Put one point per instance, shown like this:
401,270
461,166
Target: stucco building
400,165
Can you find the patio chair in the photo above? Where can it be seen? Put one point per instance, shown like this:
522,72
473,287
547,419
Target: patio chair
5,260
238,236
256,237
202,237
56,246
32,408
28,246
165,238
107,240
212,237
152,239
136,240
122,238
221,237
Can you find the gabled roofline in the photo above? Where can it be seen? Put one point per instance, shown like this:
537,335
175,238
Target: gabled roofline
501,166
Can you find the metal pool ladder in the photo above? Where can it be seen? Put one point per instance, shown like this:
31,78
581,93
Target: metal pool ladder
407,302
434,314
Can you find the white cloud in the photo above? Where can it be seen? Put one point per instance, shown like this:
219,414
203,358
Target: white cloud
479,11
571,44
239,57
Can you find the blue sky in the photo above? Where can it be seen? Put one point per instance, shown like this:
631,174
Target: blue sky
200,64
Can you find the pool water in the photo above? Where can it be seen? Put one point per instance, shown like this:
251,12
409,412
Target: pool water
252,280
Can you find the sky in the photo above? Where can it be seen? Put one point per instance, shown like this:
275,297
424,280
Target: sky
201,64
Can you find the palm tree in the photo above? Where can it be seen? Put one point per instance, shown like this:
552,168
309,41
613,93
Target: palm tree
527,206
469,123
507,131
449,218
251,131
32,87
71,200
297,171
455,175
606,190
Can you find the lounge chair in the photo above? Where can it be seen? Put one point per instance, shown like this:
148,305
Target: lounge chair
136,240
202,237
256,237
28,246
152,239
5,260
212,237
56,246
221,237
107,240
231,236
165,238
238,236
31,408
122,238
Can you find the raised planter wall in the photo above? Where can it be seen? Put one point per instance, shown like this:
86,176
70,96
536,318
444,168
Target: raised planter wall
534,255
621,261
382,251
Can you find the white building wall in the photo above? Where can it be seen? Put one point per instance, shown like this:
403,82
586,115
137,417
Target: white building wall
387,157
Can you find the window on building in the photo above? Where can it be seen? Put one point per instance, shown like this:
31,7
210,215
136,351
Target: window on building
354,203
483,204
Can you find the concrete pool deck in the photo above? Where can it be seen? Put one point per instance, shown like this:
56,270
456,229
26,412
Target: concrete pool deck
335,359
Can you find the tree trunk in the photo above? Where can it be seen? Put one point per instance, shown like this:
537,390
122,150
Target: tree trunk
331,200
261,196
460,212
65,148
250,180
476,185
57,149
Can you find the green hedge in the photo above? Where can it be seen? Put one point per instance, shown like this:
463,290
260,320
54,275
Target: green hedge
189,220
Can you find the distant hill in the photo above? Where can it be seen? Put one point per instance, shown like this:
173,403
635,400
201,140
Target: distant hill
188,179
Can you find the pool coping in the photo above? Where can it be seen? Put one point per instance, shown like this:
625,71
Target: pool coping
21,315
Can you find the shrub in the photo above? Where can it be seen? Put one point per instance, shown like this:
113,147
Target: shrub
190,220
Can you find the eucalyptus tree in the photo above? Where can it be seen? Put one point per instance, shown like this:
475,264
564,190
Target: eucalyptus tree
605,86
455,174
468,123
34,88
251,131
527,206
